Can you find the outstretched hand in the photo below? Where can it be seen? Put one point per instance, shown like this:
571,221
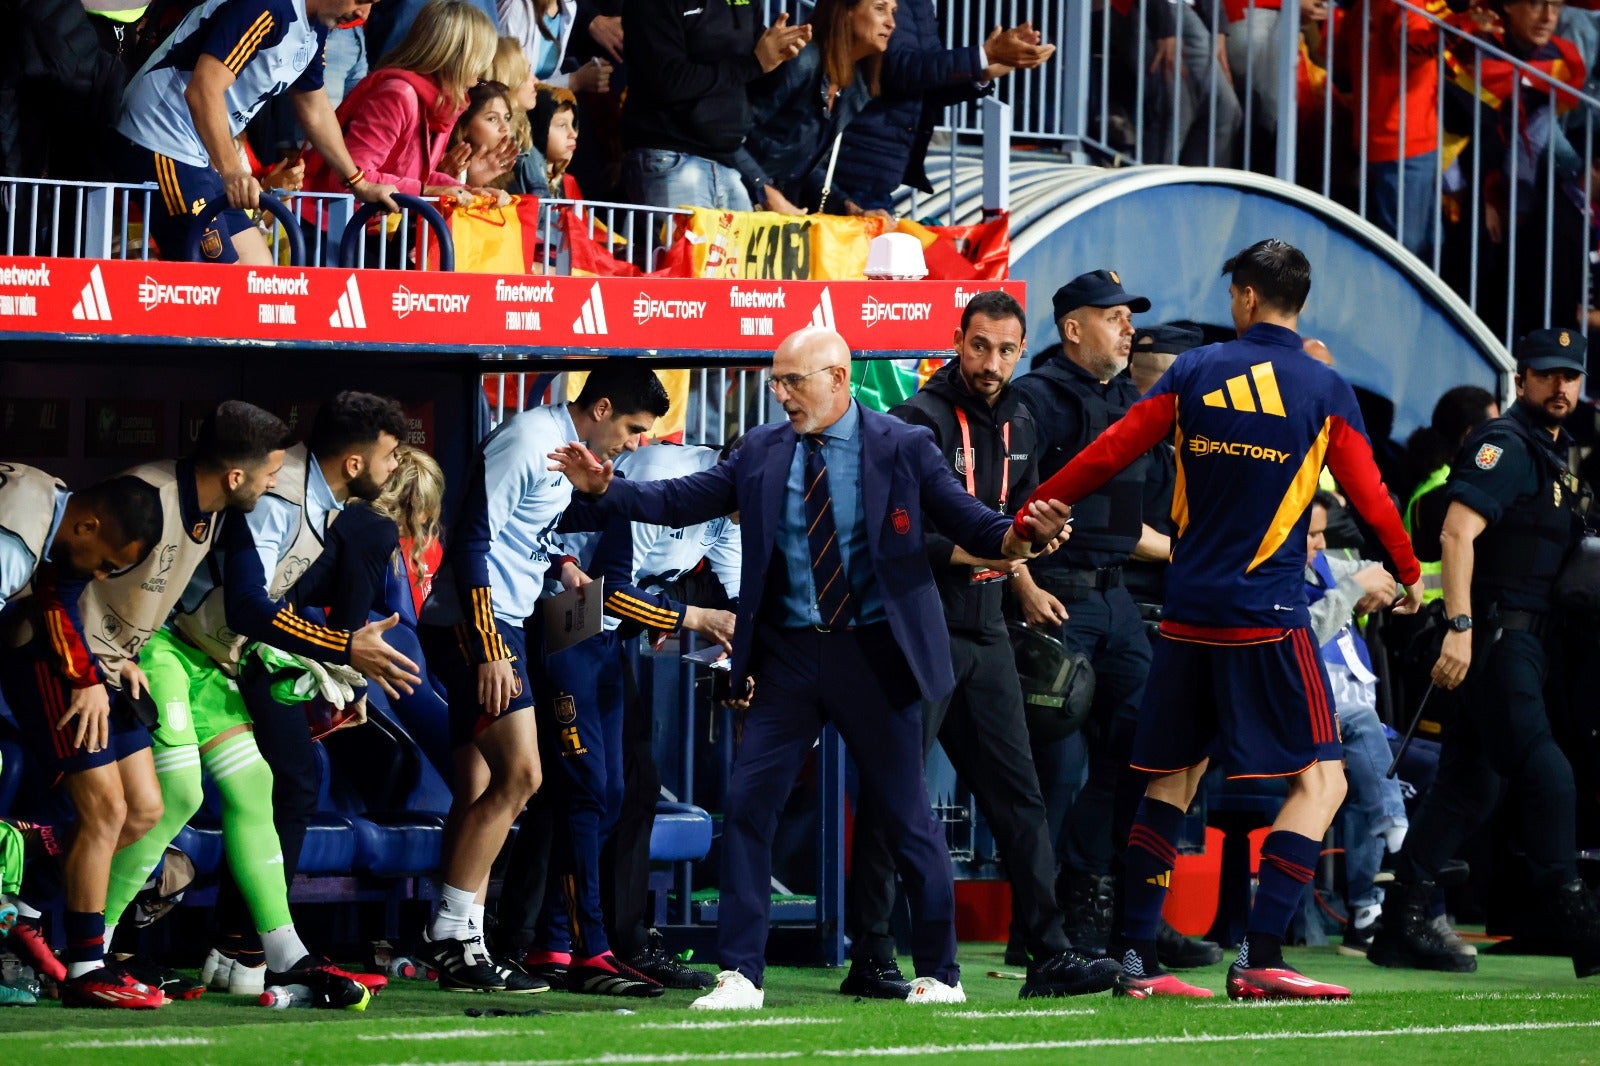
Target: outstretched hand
578,463
1044,520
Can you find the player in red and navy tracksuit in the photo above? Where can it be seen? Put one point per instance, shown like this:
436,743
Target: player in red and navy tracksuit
1237,676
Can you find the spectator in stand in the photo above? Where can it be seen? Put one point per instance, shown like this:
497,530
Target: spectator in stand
597,42
182,110
800,115
553,126
390,22
1251,59
1394,170
1342,591
414,498
483,133
511,69
687,112
1181,63
885,146
346,56
544,29
397,122
1521,191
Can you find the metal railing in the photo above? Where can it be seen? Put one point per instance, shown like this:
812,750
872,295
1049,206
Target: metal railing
73,219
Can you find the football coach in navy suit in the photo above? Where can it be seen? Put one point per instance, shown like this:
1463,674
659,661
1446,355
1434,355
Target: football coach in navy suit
840,620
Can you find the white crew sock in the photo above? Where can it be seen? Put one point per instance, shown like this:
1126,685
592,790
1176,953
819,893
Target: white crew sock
283,948
453,920
111,928
78,969
475,919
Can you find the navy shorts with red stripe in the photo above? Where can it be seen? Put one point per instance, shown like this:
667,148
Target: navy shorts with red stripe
184,191
445,648
1254,701
38,697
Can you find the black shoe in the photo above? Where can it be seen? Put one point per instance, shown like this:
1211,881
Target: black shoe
1016,954
331,989
614,978
463,965
1090,900
666,969
518,981
1069,973
875,979
168,981
1406,937
1178,952
1577,914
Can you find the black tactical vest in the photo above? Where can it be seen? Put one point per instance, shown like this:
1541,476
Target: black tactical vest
1515,560
1106,526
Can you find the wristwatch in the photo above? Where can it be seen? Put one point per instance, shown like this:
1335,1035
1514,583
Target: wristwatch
1461,623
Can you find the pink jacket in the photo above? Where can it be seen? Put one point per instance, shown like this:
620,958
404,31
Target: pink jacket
384,129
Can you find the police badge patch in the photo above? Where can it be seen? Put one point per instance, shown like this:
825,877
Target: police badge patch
1488,455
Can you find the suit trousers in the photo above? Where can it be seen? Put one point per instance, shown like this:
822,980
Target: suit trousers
985,735
858,680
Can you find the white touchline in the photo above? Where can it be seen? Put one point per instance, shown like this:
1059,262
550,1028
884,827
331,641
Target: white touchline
1060,1012
751,1024
449,1034
145,1041
614,1059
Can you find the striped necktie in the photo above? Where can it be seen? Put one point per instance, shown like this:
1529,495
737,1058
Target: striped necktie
827,565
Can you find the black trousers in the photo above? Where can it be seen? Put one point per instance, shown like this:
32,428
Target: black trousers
1501,742
1105,626
625,861
983,731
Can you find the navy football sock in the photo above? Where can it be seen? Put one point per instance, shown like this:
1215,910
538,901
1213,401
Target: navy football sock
1288,862
1147,868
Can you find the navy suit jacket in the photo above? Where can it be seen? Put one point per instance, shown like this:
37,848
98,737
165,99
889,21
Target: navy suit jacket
903,477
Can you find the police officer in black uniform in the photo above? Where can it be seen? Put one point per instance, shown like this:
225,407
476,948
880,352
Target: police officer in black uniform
1154,349
1073,398
991,440
1513,518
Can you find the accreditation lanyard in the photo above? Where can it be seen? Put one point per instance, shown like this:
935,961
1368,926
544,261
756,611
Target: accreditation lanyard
981,574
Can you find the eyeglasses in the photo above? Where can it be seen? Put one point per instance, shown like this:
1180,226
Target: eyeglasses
790,382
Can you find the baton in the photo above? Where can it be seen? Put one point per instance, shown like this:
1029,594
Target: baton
1411,731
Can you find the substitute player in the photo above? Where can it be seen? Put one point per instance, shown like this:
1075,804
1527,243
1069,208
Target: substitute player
1236,675
184,108
504,543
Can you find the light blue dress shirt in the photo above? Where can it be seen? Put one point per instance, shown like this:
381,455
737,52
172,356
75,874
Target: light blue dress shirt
841,450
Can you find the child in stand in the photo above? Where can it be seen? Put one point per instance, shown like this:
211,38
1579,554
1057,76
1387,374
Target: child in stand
480,144
553,129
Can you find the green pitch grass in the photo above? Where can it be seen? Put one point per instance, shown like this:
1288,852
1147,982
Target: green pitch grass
1513,1012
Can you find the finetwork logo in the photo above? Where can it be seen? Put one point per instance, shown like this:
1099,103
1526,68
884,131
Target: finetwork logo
153,294
92,305
592,319
349,314
875,311
822,314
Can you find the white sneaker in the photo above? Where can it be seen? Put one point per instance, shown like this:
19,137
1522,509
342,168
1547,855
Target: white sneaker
933,990
220,973
733,992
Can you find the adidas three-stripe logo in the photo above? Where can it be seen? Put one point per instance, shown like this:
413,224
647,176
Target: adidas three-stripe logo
349,314
592,317
1236,393
822,315
92,305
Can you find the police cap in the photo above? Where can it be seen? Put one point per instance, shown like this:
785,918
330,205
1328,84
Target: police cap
1168,340
1553,349
1098,288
